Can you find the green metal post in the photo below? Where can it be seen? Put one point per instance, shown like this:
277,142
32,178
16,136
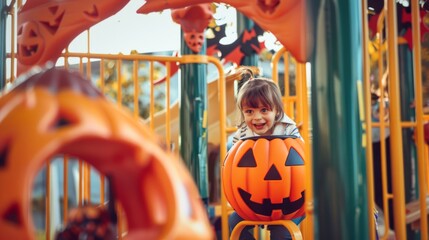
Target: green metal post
340,189
193,119
3,16
408,114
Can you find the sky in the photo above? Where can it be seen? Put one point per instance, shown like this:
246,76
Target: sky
128,30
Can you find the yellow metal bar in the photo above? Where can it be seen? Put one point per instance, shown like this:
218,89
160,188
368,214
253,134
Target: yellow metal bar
415,16
66,58
274,65
382,124
86,166
367,122
136,89
223,137
286,79
183,59
231,129
395,124
119,102
12,45
119,74
167,107
382,48
88,63
384,171
87,182
288,102
81,64
102,75
88,40
102,88
290,225
305,131
152,96
299,82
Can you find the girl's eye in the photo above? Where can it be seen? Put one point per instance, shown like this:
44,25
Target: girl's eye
264,110
248,111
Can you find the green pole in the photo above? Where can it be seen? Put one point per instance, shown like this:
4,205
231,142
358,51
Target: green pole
3,16
193,120
405,62
340,192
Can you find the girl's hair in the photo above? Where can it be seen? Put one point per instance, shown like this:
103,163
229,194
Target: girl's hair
260,91
246,74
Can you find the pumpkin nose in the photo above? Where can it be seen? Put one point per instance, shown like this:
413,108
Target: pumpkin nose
273,174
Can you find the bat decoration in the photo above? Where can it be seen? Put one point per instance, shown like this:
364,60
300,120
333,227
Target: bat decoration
290,21
245,45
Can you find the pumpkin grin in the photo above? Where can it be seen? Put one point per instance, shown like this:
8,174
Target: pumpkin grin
266,207
29,50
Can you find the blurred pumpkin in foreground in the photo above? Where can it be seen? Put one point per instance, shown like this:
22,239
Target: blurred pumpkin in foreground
55,111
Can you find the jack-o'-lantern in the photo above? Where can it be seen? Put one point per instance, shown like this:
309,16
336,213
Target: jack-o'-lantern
55,111
264,178
193,21
45,27
194,40
31,43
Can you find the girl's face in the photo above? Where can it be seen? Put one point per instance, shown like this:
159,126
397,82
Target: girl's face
260,119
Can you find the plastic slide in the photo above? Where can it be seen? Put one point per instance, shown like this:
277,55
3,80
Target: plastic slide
212,110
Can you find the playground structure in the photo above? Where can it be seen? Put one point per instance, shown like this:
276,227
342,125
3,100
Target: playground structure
339,152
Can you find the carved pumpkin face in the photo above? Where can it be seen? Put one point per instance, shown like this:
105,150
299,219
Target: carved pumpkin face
31,43
264,178
56,111
194,40
193,21
46,27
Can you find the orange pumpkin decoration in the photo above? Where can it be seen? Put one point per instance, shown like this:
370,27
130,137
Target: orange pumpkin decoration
46,27
264,178
56,111
193,20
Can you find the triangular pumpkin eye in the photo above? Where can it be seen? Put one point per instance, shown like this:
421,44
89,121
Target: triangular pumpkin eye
273,174
294,159
248,160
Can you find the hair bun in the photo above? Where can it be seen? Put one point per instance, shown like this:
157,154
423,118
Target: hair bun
244,74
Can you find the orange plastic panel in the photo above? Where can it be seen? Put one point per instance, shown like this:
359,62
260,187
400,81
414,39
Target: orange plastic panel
289,20
56,111
45,28
264,178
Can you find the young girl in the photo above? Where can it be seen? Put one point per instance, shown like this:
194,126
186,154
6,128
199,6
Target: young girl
260,103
